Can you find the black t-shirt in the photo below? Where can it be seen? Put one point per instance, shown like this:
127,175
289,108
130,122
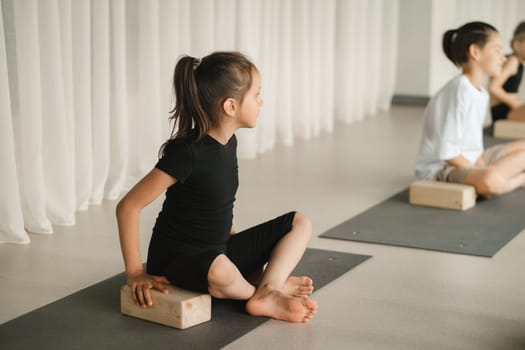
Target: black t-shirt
501,110
198,208
513,82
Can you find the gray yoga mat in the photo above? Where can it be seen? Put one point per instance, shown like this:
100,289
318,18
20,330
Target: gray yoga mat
481,231
91,319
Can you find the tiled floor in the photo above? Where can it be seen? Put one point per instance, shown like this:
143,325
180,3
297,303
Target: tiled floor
399,299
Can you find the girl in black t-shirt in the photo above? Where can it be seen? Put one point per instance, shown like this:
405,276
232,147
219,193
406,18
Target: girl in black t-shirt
505,100
194,245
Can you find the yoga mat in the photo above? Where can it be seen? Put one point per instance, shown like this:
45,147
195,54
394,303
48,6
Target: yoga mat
481,231
91,318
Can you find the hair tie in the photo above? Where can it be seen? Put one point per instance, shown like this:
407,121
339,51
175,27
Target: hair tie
454,35
196,63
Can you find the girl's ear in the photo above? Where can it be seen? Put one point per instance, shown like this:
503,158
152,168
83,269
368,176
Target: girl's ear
474,52
229,106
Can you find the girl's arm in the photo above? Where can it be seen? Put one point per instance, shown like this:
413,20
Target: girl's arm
496,84
459,162
128,215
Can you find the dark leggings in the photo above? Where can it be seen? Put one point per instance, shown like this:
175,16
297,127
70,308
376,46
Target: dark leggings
249,250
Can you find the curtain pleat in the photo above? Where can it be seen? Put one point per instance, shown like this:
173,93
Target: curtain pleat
283,107
100,97
265,138
12,223
26,103
149,116
82,106
57,157
118,121
86,87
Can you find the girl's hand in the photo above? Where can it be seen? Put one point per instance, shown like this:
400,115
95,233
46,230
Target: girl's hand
141,285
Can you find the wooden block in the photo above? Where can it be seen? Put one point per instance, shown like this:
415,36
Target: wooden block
442,195
509,129
179,308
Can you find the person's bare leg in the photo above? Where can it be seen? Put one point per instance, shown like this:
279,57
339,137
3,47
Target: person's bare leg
271,298
517,114
516,181
514,146
512,163
501,177
225,281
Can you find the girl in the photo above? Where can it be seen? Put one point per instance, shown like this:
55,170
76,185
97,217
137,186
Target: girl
505,101
451,147
193,244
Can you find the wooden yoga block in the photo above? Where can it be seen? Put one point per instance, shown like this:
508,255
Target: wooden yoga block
179,308
509,129
442,195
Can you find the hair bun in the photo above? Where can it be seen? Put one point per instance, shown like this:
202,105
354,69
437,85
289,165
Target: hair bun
196,63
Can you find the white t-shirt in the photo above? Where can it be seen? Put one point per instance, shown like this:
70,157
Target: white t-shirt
453,126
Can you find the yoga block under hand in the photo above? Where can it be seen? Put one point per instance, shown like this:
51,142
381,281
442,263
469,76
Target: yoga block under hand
509,129
442,195
179,308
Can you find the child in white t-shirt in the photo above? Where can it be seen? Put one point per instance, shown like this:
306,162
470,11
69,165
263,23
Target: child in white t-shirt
451,147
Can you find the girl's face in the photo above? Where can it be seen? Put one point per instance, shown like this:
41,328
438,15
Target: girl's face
491,56
251,103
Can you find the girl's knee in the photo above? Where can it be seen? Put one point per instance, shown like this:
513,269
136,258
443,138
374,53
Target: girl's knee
515,149
302,223
491,183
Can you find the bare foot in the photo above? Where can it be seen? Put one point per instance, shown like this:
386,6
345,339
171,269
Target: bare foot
298,286
275,304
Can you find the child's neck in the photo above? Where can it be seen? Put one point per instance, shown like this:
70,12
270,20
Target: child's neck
475,75
221,134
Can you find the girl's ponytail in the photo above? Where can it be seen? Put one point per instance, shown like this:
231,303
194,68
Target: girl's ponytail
188,113
448,44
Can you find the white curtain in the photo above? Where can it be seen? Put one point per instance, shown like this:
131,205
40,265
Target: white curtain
504,15
85,87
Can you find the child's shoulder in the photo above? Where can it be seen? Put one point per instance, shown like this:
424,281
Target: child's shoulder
176,143
451,87
176,148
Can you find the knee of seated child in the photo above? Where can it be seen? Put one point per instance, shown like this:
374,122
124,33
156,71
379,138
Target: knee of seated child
221,272
493,183
302,222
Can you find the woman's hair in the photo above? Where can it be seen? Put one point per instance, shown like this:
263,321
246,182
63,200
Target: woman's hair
519,33
201,86
456,42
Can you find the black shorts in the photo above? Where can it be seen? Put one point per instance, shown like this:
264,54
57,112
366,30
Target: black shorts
249,250
499,111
